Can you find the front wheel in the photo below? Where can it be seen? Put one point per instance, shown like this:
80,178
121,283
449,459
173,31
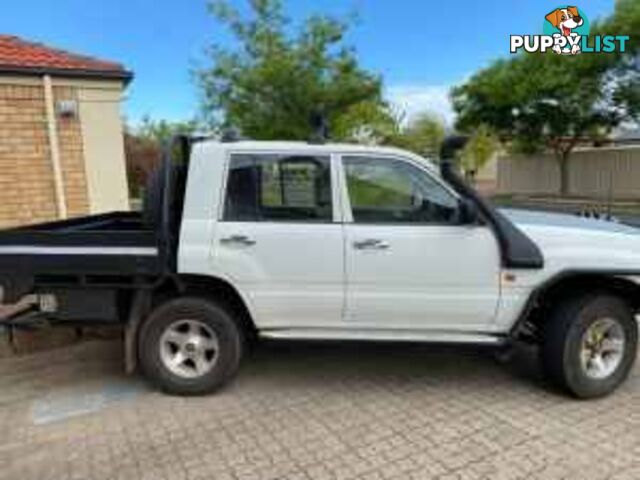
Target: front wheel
190,346
589,344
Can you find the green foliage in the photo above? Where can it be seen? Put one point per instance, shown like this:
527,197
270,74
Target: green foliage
143,148
423,135
379,124
278,75
538,101
369,122
482,145
161,131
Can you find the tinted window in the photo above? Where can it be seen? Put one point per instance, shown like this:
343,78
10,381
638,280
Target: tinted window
383,190
278,188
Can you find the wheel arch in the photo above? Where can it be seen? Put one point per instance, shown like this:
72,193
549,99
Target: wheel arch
221,290
212,288
573,282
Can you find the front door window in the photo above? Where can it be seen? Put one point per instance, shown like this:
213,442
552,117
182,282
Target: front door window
383,190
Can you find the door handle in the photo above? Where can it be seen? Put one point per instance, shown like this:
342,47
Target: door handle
238,240
371,244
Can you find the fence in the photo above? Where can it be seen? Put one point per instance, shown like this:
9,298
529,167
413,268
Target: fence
596,173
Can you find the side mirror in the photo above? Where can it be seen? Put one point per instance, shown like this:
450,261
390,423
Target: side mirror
468,212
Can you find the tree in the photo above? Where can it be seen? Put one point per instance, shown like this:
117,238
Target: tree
278,76
552,101
161,131
143,148
373,123
141,156
423,135
482,145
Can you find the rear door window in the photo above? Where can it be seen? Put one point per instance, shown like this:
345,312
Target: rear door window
268,187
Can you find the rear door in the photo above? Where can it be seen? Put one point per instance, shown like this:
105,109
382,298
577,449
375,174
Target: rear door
277,240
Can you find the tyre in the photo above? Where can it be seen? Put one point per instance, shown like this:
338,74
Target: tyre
190,346
589,344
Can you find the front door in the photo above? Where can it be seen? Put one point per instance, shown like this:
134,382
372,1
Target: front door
277,240
409,263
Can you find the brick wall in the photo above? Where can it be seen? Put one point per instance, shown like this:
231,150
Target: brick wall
27,192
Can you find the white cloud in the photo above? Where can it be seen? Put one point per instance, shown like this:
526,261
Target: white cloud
414,99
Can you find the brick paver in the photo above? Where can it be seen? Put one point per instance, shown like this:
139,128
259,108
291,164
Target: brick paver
312,412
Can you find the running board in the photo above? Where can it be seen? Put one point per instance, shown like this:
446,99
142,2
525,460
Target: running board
382,335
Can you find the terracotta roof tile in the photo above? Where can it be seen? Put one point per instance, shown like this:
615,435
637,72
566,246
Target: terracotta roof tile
17,54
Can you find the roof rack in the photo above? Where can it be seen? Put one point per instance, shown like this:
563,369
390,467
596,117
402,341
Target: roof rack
230,135
320,128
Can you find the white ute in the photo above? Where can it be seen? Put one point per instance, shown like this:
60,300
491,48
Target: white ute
342,242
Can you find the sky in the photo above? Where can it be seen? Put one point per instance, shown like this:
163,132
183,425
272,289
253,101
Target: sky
420,47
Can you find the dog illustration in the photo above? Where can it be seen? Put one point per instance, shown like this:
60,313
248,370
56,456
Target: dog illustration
565,20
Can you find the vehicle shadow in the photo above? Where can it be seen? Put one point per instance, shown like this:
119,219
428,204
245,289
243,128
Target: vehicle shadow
309,363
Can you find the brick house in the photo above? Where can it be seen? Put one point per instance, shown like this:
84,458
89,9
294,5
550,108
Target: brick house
61,142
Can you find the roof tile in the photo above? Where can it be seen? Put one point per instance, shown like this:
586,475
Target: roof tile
19,54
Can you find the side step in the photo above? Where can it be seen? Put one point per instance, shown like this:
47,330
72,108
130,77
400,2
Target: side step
383,335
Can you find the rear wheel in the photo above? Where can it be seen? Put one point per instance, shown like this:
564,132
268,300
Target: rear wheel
589,344
190,346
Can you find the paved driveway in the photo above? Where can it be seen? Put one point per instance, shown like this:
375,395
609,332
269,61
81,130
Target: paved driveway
312,412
